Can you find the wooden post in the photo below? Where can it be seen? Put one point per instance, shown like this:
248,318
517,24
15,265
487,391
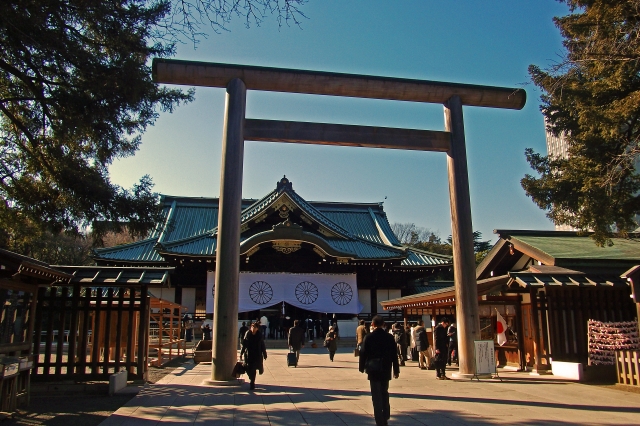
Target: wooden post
535,325
520,330
464,265
225,304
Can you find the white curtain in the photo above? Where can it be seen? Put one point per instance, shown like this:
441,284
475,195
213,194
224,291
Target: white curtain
330,293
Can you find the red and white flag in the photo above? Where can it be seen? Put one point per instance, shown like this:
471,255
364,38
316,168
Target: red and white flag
501,329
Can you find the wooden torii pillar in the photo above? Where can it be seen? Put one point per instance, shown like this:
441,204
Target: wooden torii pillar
237,79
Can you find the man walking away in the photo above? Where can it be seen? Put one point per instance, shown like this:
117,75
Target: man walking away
361,332
400,338
296,339
377,357
452,354
422,346
442,347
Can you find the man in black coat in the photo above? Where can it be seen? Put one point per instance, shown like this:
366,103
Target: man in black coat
377,356
442,348
296,338
254,351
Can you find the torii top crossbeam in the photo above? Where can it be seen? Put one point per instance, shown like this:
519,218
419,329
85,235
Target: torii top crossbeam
209,74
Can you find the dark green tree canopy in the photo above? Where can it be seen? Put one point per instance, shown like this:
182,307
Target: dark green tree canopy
592,99
76,93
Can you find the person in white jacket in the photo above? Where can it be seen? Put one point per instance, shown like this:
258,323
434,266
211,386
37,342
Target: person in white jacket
414,354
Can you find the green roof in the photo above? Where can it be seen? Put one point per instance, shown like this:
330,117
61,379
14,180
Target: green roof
189,228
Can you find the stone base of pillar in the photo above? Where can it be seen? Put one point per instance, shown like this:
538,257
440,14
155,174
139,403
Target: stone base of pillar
232,382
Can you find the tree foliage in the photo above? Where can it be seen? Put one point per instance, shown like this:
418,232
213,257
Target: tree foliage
592,99
76,93
411,235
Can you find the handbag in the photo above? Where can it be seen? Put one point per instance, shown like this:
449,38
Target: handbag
374,366
238,370
356,352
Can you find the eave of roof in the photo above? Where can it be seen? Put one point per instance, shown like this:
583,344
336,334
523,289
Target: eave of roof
109,275
441,295
528,279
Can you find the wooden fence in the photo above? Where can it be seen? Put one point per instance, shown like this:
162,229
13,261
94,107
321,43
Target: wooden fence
568,310
89,333
628,367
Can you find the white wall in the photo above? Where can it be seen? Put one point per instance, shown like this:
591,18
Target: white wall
364,296
189,299
387,294
168,294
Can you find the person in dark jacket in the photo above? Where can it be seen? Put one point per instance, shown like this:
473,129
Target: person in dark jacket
243,330
400,338
452,352
254,351
296,338
377,357
332,343
442,347
206,332
422,346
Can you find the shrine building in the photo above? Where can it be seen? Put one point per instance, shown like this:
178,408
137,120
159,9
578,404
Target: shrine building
298,257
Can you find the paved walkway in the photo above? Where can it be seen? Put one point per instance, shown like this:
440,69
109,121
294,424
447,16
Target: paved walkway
319,392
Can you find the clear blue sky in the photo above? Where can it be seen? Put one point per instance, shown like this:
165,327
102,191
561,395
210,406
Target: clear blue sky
471,41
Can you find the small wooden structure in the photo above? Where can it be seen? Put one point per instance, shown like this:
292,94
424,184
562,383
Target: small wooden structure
166,331
20,278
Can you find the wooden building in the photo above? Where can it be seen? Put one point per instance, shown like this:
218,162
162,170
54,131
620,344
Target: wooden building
286,236
547,285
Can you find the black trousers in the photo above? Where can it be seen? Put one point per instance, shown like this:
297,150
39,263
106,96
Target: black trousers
251,373
380,397
441,362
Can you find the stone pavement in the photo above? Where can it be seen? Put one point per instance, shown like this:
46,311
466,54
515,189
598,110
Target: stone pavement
319,392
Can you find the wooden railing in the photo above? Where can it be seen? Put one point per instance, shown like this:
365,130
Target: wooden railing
628,367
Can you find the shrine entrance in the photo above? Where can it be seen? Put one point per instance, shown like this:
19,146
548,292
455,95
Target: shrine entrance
237,79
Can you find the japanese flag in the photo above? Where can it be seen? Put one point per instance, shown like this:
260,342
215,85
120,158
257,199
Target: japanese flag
501,329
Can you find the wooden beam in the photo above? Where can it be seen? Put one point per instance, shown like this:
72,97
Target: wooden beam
209,74
346,135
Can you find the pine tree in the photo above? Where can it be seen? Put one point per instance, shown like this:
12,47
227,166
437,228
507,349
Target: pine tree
76,93
592,98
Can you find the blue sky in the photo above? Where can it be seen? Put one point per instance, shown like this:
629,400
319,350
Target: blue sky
490,42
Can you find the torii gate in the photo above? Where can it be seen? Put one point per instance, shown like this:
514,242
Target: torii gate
238,78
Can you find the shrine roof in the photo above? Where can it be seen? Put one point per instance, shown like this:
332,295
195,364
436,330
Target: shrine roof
189,228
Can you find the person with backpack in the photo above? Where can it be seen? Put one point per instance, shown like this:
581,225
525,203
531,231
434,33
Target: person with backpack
422,346
400,337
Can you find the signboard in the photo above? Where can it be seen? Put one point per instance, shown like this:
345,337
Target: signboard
485,357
